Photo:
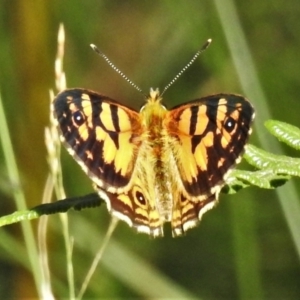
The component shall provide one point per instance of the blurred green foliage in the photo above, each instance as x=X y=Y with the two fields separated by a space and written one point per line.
x=242 y=249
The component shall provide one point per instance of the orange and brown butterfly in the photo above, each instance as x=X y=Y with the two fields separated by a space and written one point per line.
x=155 y=165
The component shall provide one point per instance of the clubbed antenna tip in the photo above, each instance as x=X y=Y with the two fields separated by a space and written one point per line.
x=96 y=49
x=203 y=48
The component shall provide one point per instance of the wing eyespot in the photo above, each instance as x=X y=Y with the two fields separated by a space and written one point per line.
x=140 y=197
x=229 y=124
x=78 y=118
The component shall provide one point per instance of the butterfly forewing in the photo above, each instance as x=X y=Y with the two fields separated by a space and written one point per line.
x=101 y=134
x=210 y=135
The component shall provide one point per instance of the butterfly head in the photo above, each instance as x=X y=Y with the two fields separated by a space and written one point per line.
x=154 y=96
x=153 y=100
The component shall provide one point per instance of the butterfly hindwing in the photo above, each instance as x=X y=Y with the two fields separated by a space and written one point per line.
x=187 y=214
x=134 y=207
x=101 y=134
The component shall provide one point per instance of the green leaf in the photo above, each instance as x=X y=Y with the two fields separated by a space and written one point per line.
x=266 y=179
x=286 y=133
x=278 y=164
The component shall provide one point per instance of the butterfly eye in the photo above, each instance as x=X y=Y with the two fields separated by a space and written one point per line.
x=78 y=118
x=229 y=124
x=140 y=197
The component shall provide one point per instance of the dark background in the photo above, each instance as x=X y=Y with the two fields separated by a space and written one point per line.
x=244 y=248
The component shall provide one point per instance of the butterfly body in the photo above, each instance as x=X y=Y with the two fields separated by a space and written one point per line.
x=156 y=165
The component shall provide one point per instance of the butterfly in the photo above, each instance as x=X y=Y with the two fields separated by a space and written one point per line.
x=155 y=165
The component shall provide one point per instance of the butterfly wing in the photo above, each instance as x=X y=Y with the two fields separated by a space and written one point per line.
x=209 y=136
x=102 y=135
x=136 y=208
x=187 y=213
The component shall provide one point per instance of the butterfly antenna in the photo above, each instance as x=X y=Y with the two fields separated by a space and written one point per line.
x=203 y=48
x=95 y=48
